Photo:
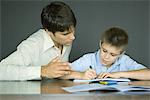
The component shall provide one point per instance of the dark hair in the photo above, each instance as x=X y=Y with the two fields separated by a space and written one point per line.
x=57 y=16
x=116 y=37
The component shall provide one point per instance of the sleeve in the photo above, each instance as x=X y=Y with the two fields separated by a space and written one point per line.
x=81 y=64
x=132 y=64
x=18 y=65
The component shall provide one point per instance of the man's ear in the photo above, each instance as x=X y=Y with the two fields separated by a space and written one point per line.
x=49 y=33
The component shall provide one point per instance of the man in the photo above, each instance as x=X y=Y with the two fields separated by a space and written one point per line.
x=46 y=52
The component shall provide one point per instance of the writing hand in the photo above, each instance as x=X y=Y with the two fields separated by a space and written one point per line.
x=90 y=74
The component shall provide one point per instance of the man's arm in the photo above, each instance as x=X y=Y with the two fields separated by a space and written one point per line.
x=13 y=72
x=13 y=68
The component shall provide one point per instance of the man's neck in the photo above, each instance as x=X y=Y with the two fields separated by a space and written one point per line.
x=60 y=47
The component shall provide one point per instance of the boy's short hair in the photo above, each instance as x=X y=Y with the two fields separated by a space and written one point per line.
x=57 y=16
x=115 y=36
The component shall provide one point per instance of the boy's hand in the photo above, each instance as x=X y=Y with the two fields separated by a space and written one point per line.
x=89 y=74
x=111 y=75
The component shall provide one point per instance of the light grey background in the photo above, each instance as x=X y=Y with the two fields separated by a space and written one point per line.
x=22 y=18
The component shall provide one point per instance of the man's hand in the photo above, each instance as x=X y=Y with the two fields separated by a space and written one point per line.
x=55 y=69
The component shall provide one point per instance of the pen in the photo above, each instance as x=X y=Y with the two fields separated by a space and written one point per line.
x=90 y=67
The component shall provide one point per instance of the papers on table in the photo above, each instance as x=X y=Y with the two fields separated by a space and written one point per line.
x=84 y=87
x=97 y=86
x=104 y=79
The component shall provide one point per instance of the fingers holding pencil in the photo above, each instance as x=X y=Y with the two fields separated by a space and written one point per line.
x=90 y=74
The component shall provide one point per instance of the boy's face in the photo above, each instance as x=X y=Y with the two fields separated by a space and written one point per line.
x=63 y=38
x=109 y=54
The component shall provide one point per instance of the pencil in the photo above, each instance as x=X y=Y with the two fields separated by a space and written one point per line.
x=108 y=83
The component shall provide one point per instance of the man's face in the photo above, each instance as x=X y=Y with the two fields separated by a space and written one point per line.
x=109 y=54
x=63 y=38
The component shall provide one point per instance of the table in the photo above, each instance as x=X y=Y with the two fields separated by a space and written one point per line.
x=51 y=90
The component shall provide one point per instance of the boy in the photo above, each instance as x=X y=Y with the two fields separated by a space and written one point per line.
x=109 y=58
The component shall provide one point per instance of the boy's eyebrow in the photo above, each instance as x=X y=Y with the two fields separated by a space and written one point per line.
x=110 y=52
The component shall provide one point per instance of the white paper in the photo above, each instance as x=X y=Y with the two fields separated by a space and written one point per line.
x=104 y=79
x=84 y=87
x=97 y=86
x=132 y=88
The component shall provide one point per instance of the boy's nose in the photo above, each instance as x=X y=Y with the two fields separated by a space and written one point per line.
x=107 y=55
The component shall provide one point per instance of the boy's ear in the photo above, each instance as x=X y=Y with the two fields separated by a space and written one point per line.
x=123 y=53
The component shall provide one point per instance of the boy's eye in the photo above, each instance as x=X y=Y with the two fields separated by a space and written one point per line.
x=104 y=50
x=113 y=55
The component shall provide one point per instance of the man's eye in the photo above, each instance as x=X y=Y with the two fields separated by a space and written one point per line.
x=66 y=34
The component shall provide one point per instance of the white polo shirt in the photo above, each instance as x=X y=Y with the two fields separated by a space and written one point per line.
x=25 y=63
